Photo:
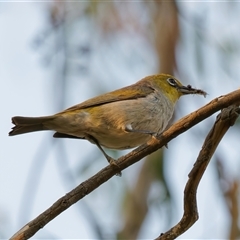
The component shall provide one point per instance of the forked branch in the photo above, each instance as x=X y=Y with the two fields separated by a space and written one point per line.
x=223 y=122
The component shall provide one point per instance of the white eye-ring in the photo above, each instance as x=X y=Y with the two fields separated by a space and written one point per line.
x=171 y=81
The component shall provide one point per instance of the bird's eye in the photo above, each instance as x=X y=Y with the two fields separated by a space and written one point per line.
x=171 y=81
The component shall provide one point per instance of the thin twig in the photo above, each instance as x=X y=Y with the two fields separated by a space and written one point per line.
x=223 y=122
x=105 y=174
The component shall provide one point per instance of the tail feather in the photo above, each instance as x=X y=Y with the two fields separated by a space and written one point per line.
x=27 y=124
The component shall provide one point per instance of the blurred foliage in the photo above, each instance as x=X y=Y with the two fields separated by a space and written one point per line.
x=230 y=189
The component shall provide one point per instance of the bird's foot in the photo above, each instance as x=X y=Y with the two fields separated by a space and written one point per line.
x=112 y=162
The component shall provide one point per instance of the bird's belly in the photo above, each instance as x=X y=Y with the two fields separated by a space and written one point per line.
x=121 y=140
x=128 y=124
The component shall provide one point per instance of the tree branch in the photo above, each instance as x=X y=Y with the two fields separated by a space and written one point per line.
x=223 y=122
x=125 y=161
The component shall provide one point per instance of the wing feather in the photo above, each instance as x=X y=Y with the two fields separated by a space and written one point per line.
x=130 y=92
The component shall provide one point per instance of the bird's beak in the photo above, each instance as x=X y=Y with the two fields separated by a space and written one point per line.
x=189 y=90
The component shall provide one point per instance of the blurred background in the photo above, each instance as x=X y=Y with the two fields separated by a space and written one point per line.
x=59 y=53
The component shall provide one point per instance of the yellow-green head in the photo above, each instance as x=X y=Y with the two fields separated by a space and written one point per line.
x=171 y=87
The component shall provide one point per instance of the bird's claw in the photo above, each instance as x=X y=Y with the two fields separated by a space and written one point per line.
x=112 y=162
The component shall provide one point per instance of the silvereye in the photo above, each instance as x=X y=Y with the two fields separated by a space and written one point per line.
x=121 y=119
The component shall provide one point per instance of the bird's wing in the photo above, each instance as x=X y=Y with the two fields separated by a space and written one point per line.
x=130 y=92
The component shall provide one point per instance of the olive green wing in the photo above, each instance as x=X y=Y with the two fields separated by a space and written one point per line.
x=131 y=92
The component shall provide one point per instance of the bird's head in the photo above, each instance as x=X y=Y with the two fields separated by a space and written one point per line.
x=172 y=87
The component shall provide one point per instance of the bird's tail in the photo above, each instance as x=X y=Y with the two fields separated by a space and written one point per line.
x=28 y=124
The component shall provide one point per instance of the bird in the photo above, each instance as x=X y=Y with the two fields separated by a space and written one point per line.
x=122 y=119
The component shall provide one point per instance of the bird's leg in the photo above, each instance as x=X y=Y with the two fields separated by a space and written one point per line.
x=110 y=160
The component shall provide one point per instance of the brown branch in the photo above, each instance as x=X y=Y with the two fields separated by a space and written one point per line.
x=105 y=174
x=223 y=122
